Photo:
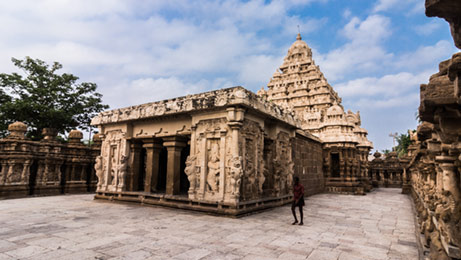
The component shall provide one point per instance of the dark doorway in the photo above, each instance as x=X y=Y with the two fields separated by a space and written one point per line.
x=89 y=177
x=183 y=180
x=163 y=161
x=335 y=165
x=33 y=177
x=62 y=183
x=142 y=171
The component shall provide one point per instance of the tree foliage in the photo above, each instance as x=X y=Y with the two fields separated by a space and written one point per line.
x=403 y=141
x=43 y=98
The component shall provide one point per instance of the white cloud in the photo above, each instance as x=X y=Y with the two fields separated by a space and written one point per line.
x=384 y=5
x=425 y=57
x=428 y=28
x=364 y=51
x=144 y=90
x=387 y=5
x=386 y=87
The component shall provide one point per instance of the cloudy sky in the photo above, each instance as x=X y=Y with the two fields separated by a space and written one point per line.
x=375 y=53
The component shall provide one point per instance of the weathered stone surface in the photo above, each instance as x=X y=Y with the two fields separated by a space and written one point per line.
x=450 y=10
x=433 y=161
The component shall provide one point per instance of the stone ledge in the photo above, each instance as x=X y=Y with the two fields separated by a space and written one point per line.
x=182 y=202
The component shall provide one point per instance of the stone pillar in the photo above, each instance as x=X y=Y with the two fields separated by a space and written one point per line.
x=25 y=172
x=449 y=178
x=174 y=146
x=153 y=148
x=135 y=160
x=4 y=172
x=439 y=179
x=222 y=159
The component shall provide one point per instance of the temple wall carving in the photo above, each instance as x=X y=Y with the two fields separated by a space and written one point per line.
x=433 y=163
x=45 y=167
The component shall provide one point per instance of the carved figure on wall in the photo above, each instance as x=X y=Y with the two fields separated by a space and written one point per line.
x=236 y=173
x=277 y=176
x=213 y=168
x=262 y=177
x=290 y=173
x=122 y=170
x=99 y=170
x=191 y=172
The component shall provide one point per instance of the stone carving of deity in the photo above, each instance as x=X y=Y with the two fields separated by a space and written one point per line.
x=213 y=169
x=262 y=178
x=122 y=170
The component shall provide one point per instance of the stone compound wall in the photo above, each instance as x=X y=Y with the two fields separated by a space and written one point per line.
x=432 y=173
x=45 y=167
x=308 y=163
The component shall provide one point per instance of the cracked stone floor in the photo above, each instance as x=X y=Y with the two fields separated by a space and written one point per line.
x=379 y=225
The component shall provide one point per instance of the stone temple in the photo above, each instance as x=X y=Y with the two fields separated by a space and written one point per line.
x=231 y=151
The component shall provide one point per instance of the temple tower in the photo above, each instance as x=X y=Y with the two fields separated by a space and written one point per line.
x=299 y=85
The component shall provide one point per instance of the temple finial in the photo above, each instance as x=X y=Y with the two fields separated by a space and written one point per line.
x=299 y=35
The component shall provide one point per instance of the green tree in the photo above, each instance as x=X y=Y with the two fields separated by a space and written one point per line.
x=43 y=98
x=403 y=141
x=385 y=151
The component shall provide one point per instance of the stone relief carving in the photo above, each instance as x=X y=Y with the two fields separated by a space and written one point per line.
x=98 y=167
x=235 y=175
x=213 y=167
x=122 y=170
x=191 y=172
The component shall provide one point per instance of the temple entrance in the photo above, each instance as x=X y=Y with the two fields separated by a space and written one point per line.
x=335 y=165
x=184 y=181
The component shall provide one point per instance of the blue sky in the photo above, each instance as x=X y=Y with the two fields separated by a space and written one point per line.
x=375 y=53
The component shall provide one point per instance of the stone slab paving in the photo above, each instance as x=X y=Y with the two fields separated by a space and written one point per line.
x=379 y=225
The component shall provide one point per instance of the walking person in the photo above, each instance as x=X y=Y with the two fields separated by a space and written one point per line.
x=298 y=200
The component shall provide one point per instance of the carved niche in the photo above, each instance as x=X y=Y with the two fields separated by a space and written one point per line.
x=283 y=165
x=252 y=146
x=114 y=154
x=212 y=149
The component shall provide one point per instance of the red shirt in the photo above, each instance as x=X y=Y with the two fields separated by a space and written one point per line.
x=298 y=191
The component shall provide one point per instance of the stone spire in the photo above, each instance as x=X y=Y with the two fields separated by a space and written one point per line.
x=299 y=84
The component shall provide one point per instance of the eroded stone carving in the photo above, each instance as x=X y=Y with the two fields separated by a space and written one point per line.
x=235 y=175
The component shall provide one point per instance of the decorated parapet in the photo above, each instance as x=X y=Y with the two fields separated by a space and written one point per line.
x=44 y=167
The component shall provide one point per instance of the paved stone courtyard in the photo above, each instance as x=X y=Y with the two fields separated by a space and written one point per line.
x=379 y=225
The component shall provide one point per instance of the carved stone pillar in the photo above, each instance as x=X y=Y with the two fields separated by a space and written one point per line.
x=25 y=172
x=450 y=182
x=439 y=179
x=153 y=148
x=135 y=166
x=3 y=172
x=174 y=146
